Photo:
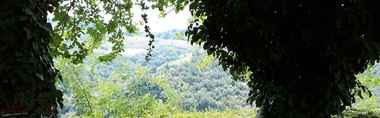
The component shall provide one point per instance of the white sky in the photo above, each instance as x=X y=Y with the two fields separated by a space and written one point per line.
x=171 y=21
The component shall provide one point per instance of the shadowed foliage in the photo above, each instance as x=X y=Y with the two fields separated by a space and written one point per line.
x=26 y=67
x=303 y=54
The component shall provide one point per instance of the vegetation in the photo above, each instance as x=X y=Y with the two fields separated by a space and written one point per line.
x=173 y=85
x=304 y=55
x=30 y=43
x=369 y=105
x=177 y=83
x=288 y=51
x=243 y=113
x=26 y=68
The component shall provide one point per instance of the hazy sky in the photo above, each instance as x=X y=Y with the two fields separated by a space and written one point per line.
x=171 y=21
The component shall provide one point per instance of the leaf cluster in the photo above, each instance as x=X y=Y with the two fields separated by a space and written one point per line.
x=303 y=55
x=27 y=82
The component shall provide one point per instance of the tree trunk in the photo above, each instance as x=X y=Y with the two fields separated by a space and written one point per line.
x=27 y=74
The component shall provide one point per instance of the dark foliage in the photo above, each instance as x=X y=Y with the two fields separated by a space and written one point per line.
x=27 y=75
x=304 y=54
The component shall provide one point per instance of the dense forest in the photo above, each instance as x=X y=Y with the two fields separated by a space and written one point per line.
x=225 y=58
x=179 y=78
x=180 y=81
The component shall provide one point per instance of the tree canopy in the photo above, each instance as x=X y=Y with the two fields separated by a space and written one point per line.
x=100 y=21
x=303 y=54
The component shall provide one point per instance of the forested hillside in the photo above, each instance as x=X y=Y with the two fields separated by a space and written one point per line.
x=178 y=78
x=179 y=81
